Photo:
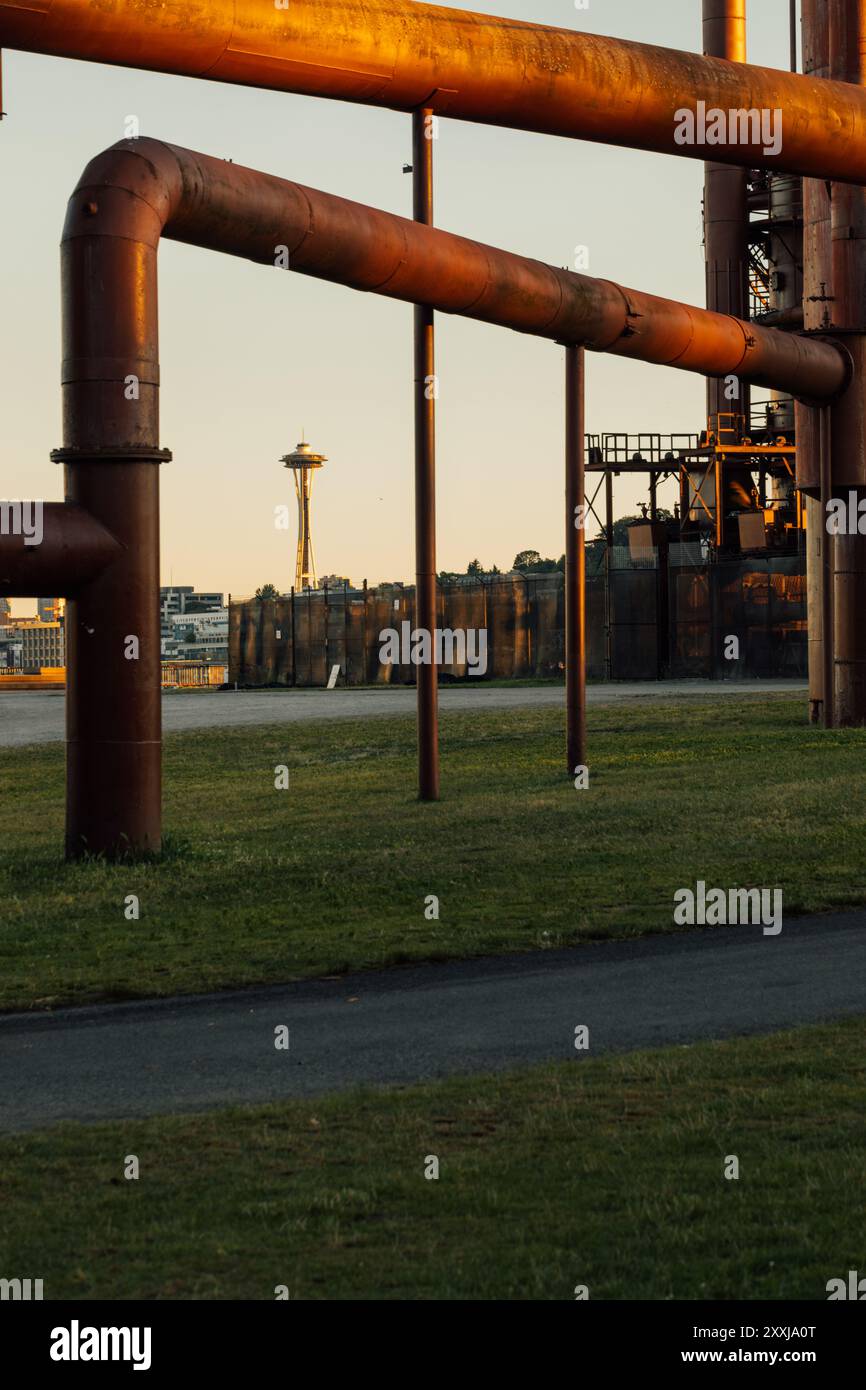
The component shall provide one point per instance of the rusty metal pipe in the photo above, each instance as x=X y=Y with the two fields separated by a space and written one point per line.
x=818 y=303
x=575 y=559
x=724 y=29
x=113 y=694
x=475 y=67
x=75 y=548
x=425 y=473
x=726 y=213
x=126 y=200
x=225 y=207
x=827 y=547
x=110 y=376
x=847 y=22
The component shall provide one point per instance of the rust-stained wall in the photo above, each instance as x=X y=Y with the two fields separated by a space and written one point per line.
x=287 y=641
x=761 y=601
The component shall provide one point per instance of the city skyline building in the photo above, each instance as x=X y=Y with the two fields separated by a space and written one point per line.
x=50 y=610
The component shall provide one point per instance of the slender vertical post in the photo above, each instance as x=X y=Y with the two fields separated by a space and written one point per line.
x=819 y=305
x=490 y=663
x=608 y=509
x=846 y=428
x=294 y=647
x=366 y=675
x=425 y=472
x=828 y=646
x=608 y=556
x=346 y=628
x=575 y=558
x=726 y=216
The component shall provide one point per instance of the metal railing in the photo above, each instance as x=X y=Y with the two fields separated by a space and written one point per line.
x=189 y=674
x=175 y=674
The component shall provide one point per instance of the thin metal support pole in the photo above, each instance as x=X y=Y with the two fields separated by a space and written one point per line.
x=828 y=644
x=608 y=557
x=366 y=664
x=423 y=131
x=575 y=558
x=294 y=642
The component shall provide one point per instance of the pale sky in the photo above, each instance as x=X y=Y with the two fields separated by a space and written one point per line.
x=250 y=356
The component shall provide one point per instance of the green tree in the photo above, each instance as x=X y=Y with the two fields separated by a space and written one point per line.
x=530 y=561
x=526 y=560
x=267 y=591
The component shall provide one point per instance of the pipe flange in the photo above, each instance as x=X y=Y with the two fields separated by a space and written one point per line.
x=118 y=453
x=833 y=337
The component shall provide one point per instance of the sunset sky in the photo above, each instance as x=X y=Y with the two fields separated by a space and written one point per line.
x=250 y=357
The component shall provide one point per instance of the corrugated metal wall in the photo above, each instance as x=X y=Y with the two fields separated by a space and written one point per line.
x=761 y=602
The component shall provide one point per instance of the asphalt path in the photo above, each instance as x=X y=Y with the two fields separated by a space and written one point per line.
x=36 y=716
x=418 y=1023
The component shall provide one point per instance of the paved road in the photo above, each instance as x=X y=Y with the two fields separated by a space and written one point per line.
x=37 y=716
x=423 y=1022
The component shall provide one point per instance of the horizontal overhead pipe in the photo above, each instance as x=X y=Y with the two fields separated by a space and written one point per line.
x=72 y=549
x=474 y=67
x=138 y=190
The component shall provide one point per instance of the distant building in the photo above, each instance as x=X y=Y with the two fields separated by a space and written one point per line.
x=10 y=646
x=5 y=610
x=50 y=610
x=178 y=601
x=334 y=581
x=199 y=637
x=42 y=644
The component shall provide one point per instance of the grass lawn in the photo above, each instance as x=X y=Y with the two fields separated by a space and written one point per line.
x=263 y=885
x=607 y=1173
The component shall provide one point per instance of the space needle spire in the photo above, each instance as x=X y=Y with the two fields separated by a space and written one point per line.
x=302 y=463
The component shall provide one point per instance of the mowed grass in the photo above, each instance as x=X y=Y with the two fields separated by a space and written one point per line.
x=608 y=1173
x=261 y=885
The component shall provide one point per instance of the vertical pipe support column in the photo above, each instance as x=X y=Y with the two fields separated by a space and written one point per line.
x=113 y=695
x=827 y=557
x=818 y=304
x=608 y=557
x=575 y=558
x=726 y=214
x=111 y=457
x=847 y=442
x=425 y=472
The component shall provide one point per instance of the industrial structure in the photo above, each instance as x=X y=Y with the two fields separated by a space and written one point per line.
x=303 y=463
x=101 y=547
x=653 y=616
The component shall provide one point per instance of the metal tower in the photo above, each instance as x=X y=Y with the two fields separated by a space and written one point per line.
x=302 y=462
